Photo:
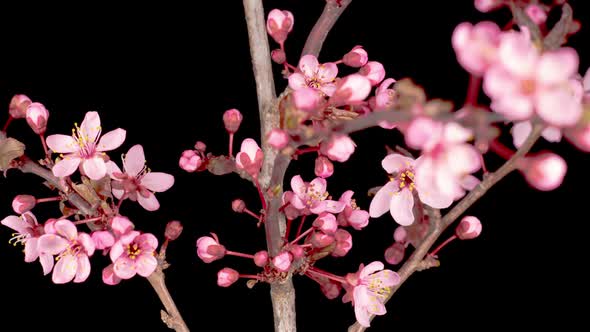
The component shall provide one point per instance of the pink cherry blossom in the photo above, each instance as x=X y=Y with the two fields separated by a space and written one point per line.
x=521 y=130
x=338 y=147
x=289 y=210
x=524 y=82
x=326 y=222
x=18 y=106
x=445 y=162
x=343 y=241
x=545 y=171
x=469 y=228
x=321 y=239
x=250 y=157
x=73 y=249
x=134 y=253
x=352 y=89
x=282 y=261
x=580 y=137
x=312 y=197
x=36 y=117
x=209 y=249
x=190 y=161
x=306 y=99
x=374 y=71
x=370 y=287
x=102 y=239
x=323 y=167
x=357 y=57
x=384 y=96
x=314 y=75
x=28 y=232
x=83 y=148
x=279 y=24
x=226 y=277
x=109 y=277
x=278 y=138
x=352 y=215
x=476 y=46
x=137 y=182
x=23 y=203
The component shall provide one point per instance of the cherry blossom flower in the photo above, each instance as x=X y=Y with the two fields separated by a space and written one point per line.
x=84 y=148
x=370 y=287
x=36 y=117
x=314 y=75
x=352 y=215
x=323 y=167
x=134 y=253
x=343 y=241
x=476 y=46
x=28 y=232
x=374 y=71
x=209 y=249
x=312 y=197
x=73 y=249
x=137 y=182
x=226 y=277
x=357 y=57
x=338 y=147
x=521 y=130
x=250 y=157
x=279 y=24
x=469 y=228
x=352 y=89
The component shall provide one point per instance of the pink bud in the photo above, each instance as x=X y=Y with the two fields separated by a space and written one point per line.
x=351 y=90
x=321 y=240
x=343 y=243
x=374 y=71
x=109 y=277
x=238 y=205
x=357 y=57
x=37 y=116
x=400 y=234
x=18 y=106
x=395 y=254
x=121 y=225
x=279 y=24
x=23 y=203
x=278 y=56
x=545 y=171
x=485 y=6
x=173 y=230
x=282 y=261
x=536 y=13
x=278 y=138
x=306 y=99
x=49 y=226
x=232 y=119
x=469 y=228
x=330 y=289
x=327 y=223
x=339 y=147
x=297 y=251
x=323 y=167
x=209 y=250
x=103 y=239
x=580 y=137
x=261 y=258
x=200 y=146
x=190 y=161
x=226 y=277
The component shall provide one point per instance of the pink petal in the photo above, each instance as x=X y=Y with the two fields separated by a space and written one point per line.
x=463 y=159
x=65 y=269
x=147 y=242
x=306 y=99
x=552 y=134
x=95 y=168
x=401 y=207
x=124 y=268
x=308 y=64
x=87 y=243
x=388 y=278
x=250 y=147
x=46 y=263
x=425 y=184
x=111 y=140
x=469 y=182
x=559 y=108
x=149 y=203
x=298 y=185
x=109 y=277
x=116 y=251
x=121 y=225
x=297 y=81
x=134 y=160
x=91 y=126
x=103 y=239
x=16 y=223
x=382 y=200
x=455 y=133
x=557 y=66
x=146 y=265
x=112 y=168
x=31 y=250
x=351 y=89
x=514 y=107
x=83 y=270
x=361 y=300
x=118 y=193
x=157 y=181
x=66 y=229
x=62 y=143
x=422 y=132
x=346 y=197
x=66 y=166
x=518 y=54
x=394 y=163
x=331 y=206
x=370 y=269
x=328 y=89
x=297 y=203
x=319 y=185
x=359 y=219
x=327 y=72
x=520 y=132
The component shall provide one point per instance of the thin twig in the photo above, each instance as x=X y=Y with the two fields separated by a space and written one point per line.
x=324 y=24
x=171 y=316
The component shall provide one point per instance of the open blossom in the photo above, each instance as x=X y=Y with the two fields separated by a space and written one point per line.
x=250 y=157
x=338 y=147
x=84 y=148
x=28 y=232
x=370 y=286
x=524 y=82
x=476 y=46
x=312 y=197
x=136 y=182
x=352 y=215
x=73 y=249
x=446 y=161
x=397 y=196
x=314 y=75
x=134 y=253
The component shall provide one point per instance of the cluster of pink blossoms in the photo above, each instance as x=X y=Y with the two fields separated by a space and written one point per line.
x=63 y=249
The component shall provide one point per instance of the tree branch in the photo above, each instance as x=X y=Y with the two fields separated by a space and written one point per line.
x=324 y=24
x=437 y=226
x=171 y=316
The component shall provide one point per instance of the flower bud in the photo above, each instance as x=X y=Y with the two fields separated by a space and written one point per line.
x=190 y=161
x=536 y=13
x=343 y=243
x=395 y=253
x=282 y=261
x=330 y=289
x=278 y=138
x=173 y=230
x=232 y=119
x=279 y=24
x=545 y=171
x=357 y=57
x=37 y=116
x=226 y=277
x=18 y=106
x=23 y=203
x=200 y=146
x=374 y=71
x=238 y=205
x=323 y=167
x=469 y=228
x=209 y=249
x=339 y=147
x=261 y=258
x=278 y=56
x=400 y=234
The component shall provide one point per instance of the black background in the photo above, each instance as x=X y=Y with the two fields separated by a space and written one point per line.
x=166 y=72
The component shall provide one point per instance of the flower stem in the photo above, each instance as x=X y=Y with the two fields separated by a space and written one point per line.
x=302 y=235
x=250 y=276
x=44 y=145
x=473 y=90
x=288 y=229
x=326 y=274
x=260 y=193
x=301 y=151
x=257 y=217
x=231 y=145
x=8 y=121
x=239 y=254
x=442 y=245
x=300 y=226
x=48 y=199
x=85 y=221
x=501 y=149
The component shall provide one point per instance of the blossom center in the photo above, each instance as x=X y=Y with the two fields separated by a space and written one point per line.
x=405 y=179
x=133 y=250
x=528 y=87
x=86 y=146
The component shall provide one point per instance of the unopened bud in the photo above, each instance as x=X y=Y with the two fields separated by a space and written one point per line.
x=238 y=205
x=469 y=228
x=23 y=203
x=278 y=56
x=200 y=146
x=282 y=261
x=324 y=168
x=226 y=277
x=357 y=57
x=18 y=106
x=37 y=116
x=173 y=230
x=190 y=161
x=278 y=138
x=279 y=24
x=261 y=258
x=395 y=253
x=232 y=119
x=400 y=234
x=545 y=171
